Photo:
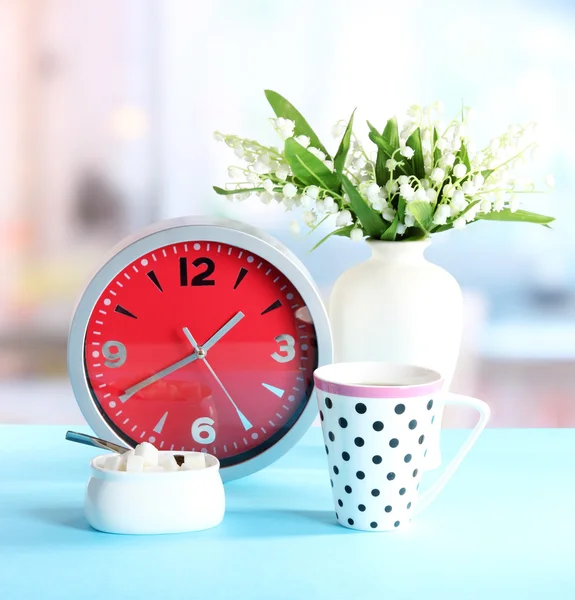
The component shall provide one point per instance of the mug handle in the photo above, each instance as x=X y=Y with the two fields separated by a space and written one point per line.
x=427 y=497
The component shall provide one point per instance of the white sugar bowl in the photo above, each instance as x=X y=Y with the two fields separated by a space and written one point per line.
x=155 y=502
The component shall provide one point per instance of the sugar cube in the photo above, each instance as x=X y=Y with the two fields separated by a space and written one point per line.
x=113 y=462
x=149 y=453
x=156 y=469
x=195 y=460
x=168 y=462
x=135 y=463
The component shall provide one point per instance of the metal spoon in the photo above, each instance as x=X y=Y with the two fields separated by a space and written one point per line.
x=88 y=440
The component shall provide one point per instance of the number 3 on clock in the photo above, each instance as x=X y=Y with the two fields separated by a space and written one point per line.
x=286 y=350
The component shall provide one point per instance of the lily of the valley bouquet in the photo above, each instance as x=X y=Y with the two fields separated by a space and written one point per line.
x=418 y=179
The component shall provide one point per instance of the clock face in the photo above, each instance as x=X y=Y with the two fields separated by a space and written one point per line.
x=201 y=346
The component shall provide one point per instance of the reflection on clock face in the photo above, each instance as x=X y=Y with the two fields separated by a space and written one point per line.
x=201 y=346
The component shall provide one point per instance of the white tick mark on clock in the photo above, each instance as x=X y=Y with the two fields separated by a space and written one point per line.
x=296 y=389
x=250 y=259
x=268 y=271
x=154 y=257
x=305 y=357
x=161 y=444
x=202 y=450
x=99 y=375
x=99 y=322
x=135 y=269
x=112 y=404
x=303 y=337
x=219 y=247
x=119 y=284
x=276 y=279
x=107 y=301
x=182 y=448
x=225 y=448
x=291 y=398
x=113 y=293
x=285 y=407
x=235 y=446
x=127 y=276
x=255 y=436
x=301 y=326
x=283 y=288
x=197 y=246
x=299 y=378
x=245 y=441
x=134 y=428
x=271 y=423
x=95 y=354
x=230 y=251
x=106 y=395
x=126 y=421
x=279 y=416
x=274 y=390
x=240 y=254
x=302 y=368
x=175 y=249
x=172 y=447
x=186 y=247
x=102 y=386
x=260 y=265
x=118 y=413
x=208 y=247
x=144 y=262
x=97 y=332
x=304 y=347
x=160 y=424
x=263 y=430
x=95 y=343
x=164 y=253
x=295 y=305
x=289 y=296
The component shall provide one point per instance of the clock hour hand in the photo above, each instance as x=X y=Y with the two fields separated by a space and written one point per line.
x=153 y=378
x=221 y=332
x=245 y=422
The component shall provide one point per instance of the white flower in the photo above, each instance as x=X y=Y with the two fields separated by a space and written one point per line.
x=403 y=179
x=359 y=163
x=265 y=197
x=373 y=192
x=320 y=206
x=401 y=228
x=514 y=203
x=447 y=159
x=338 y=129
x=427 y=163
x=356 y=234
x=302 y=140
x=328 y=202
x=421 y=194
x=316 y=152
x=239 y=152
x=478 y=181
x=468 y=188
x=392 y=187
x=307 y=201
x=235 y=173
x=441 y=214
x=414 y=111
x=312 y=191
x=431 y=195
x=499 y=204
x=459 y=170
x=309 y=217
x=406 y=191
x=333 y=209
x=425 y=183
x=294 y=227
x=219 y=137
x=409 y=219
x=449 y=190
x=391 y=164
x=407 y=151
x=485 y=205
x=456 y=144
x=253 y=178
x=437 y=175
x=471 y=213
x=441 y=144
x=550 y=180
x=268 y=185
x=243 y=196
x=343 y=218
x=289 y=190
x=282 y=172
x=459 y=202
x=284 y=127
x=328 y=164
x=425 y=136
x=289 y=203
x=459 y=223
x=388 y=213
x=278 y=198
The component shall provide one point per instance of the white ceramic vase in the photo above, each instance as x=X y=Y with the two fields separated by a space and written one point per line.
x=399 y=307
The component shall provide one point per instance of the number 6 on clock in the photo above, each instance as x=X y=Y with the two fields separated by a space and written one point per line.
x=203 y=425
x=287 y=350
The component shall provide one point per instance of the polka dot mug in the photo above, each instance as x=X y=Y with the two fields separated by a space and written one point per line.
x=376 y=419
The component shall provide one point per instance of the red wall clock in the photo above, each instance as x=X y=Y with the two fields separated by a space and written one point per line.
x=200 y=335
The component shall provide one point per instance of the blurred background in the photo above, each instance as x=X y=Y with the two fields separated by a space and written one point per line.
x=107 y=109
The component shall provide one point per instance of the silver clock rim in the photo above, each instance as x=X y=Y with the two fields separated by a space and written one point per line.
x=185 y=229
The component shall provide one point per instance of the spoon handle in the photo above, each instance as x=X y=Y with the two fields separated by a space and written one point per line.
x=88 y=440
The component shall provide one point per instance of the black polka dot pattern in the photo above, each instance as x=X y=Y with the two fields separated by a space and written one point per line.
x=348 y=489
x=360 y=475
x=360 y=408
x=432 y=419
x=373 y=525
x=413 y=424
x=378 y=426
x=408 y=505
x=402 y=491
x=342 y=423
x=350 y=521
x=430 y=405
x=415 y=472
x=321 y=415
x=361 y=508
x=331 y=481
x=376 y=459
x=359 y=442
x=345 y=456
x=388 y=509
x=340 y=502
x=391 y=476
x=331 y=436
x=328 y=402
x=326 y=450
x=421 y=439
x=394 y=442
x=396 y=524
x=375 y=493
x=407 y=458
x=399 y=409
x=335 y=470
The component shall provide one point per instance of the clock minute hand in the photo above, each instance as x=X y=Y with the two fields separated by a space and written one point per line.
x=156 y=376
x=221 y=332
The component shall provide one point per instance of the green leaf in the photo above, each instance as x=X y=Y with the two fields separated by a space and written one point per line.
x=436 y=151
x=390 y=233
x=416 y=161
x=223 y=192
x=401 y=209
x=343 y=231
x=339 y=160
x=520 y=216
x=423 y=213
x=285 y=109
x=309 y=169
x=463 y=156
x=370 y=220
x=486 y=173
x=387 y=143
x=391 y=134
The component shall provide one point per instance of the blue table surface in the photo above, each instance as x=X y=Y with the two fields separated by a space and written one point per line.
x=504 y=527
